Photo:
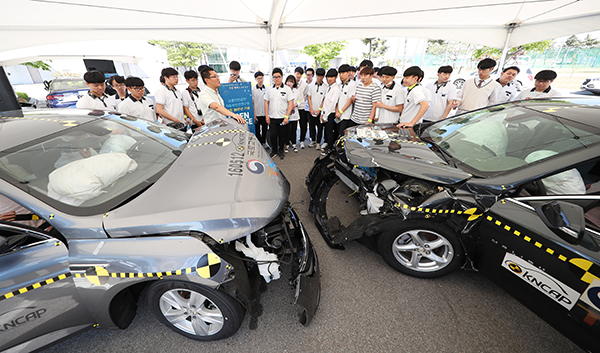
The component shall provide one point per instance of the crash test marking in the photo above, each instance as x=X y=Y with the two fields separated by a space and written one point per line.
x=208 y=266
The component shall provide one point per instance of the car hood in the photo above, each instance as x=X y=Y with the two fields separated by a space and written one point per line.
x=223 y=184
x=384 y=147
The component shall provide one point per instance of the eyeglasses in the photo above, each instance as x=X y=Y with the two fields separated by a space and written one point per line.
x=213 y=76
x=136 y=88
x=277 y=76
x=119 y=85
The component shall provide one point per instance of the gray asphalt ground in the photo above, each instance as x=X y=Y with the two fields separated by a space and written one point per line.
x=366 y=306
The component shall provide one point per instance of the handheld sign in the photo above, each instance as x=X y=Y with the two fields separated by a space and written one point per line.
x=237 y=97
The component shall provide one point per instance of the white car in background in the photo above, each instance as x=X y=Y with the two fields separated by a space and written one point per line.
x=523 y=79
x=592 y=84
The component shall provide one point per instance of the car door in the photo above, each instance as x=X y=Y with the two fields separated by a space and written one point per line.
x=38 y=300
x=549 y=271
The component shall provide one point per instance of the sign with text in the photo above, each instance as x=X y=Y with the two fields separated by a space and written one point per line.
x=237 y=97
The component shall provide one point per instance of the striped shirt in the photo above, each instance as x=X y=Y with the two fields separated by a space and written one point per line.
x=365 y=97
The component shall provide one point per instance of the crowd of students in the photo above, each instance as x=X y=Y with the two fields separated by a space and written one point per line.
x=296 y=112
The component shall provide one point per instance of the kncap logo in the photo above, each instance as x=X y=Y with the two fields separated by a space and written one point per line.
x=515 y=268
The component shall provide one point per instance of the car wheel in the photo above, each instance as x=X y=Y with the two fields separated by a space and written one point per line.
x=197 y=312
x=459 y=83
x=421 y=249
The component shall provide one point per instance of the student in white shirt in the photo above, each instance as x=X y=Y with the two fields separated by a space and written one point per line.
x=542 y=88
x=169 y=101
x=234 y=69
x=347 y=97
x=480 y=91
x=443 y=94
x=136 y=104
x=415 y=104
x=96 y=98
x=290 y=81
x=328 y=108
x=392 y=99
x=211 y=102
x=508 y=90
x=191 y=96
x=258 y=100
x=302 y=104
x=279 y=103
x=314 y=96
x=118 y=90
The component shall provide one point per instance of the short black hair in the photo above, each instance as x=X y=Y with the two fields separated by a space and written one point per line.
x=311 y=70
x=190 y=74
x=94 y=76
x=353 y=68
x=414 y=71
x=445 y=69
x=168 y=71
x=512 y=68
x=486 y=63
x=133 y=81
x=320 y=71
x=546 y=75
x=344 y=68
x=388 y=71
x=202 y=67
x=205 y=73
x=234 y=65
x=300 y=70
x=117 y=78
x=331 y=73
x=293 y=79
x=258 y=74
x=367 y=63
x=277 y=71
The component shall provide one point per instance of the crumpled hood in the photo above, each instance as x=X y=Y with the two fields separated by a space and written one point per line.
x=384 y=147
x=223 y=184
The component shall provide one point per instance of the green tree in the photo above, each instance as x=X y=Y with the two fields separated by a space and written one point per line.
x=39 y=65
x=377 y=47
x=590 y=42
x=573 y=42
x=184 y=54
x=323 y=53
x=513 y=53
x=436 y=46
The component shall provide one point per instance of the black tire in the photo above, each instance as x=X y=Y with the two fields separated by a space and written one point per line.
x=437 y=242
x=204 y=314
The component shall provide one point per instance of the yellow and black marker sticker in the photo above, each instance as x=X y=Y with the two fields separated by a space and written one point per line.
x=31 y=118
x=208 y=266
x=581 y=267
x=471 y=212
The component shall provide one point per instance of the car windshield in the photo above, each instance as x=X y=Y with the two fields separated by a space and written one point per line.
x=490 y=141
x=67 y=85
x=94 y=166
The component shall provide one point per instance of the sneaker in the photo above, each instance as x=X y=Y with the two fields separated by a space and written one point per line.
x=324 y=152
x=301 y=145
x=324 y=145
x=281 y=155
x=295 y=148
x=272 y=154
x=312 y=144
x=318 y=146
x=286 y=149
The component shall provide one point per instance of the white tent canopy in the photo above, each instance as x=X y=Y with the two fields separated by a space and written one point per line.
x=271 y=25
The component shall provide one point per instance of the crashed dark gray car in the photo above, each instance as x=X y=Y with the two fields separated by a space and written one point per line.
x=200 y=222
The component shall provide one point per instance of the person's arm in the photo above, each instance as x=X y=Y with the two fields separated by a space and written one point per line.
x=449 y=107
x=375 y=97
x=424 y=105
x=160 y=110
x=289 y=111
x=310 y=107
x=8 y=217
x=221 y=109
x=267 y=118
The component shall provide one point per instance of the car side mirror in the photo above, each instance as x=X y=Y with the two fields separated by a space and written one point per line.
x=565 y=219
x=47 y=85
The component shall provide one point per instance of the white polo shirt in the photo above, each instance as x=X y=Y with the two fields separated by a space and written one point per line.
x=331 y=99
x=294 y=115
x=306 y=107
x=172 y=100
x=391 y=95
x=507 y=93
x=190 y=100
x=317 y=94
x=440 y=95
x=258 y=100
x=143 y=109
x=414 y=96
x=91 y=101
x=278 y=98
x=208 y=96
x=474 y=96
x=347 y=90
x=532 y=93
x=301 y=101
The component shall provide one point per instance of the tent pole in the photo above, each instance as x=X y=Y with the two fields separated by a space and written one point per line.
x=509 y=30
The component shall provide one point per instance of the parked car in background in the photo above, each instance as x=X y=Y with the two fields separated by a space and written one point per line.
x=592 y=84
x=523 y=80
x=64 y=92
x=512 y=190
x=202 y=223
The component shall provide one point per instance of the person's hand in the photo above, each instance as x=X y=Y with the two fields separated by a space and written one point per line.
x=353 y=99
x=232 y=78
x=405 y=125
x=455 y=104
x=8 y=217
x=313 y=113
x=338 y=114
x=85 y=152
x=202 y=122
x=369 y=122
x=378 y=104
x=285 y=121
x=239 y=119
x=268 y=120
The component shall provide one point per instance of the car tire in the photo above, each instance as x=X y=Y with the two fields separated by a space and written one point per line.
x=459 y=83
x=195 y=311
x=421 y=249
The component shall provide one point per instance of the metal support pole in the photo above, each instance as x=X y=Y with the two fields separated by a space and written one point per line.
x=509 y=30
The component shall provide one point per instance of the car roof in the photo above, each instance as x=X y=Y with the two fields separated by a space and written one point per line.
x=16 y=131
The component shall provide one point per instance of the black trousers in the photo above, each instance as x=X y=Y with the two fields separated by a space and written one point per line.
x=331 y=130
x=293 y=127
x=303 y=123
x=278 y=134
x=343 y=125
x=315 y=128
x=261 y=129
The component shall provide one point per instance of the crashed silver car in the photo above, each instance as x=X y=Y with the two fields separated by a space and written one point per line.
x=201 y=223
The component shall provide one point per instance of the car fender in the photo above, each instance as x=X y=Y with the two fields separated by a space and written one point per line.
x=101 y=269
